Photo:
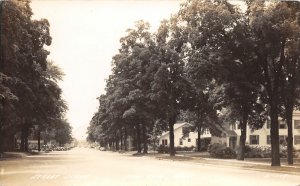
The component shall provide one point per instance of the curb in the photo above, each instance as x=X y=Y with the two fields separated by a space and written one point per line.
x=9 y=155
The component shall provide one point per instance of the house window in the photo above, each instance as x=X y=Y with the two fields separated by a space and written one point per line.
x=297 y=139
x=233 y=127
x=206 y=131
x=180 y=142
x=268 y=139
x=282 y=124
x=185 y=131
x=296 y=124
x=282 y=140
x=164 y=142
x=268 y=123
x=189 y=140
x=254 y=139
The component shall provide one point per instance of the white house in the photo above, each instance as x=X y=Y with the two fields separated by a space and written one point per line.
x=183 y=138
x=231 y=136
x=262 y=136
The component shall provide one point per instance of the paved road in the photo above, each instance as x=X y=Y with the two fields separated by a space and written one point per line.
x=89 y=167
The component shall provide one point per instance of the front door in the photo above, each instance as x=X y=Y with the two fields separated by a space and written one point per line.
x=232 y=142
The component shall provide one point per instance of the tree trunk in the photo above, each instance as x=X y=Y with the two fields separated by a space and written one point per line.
x=274 y=131
x=242 y=143
x=125 y=140
x=117 y=144
x=26 y=139
x=138 y=138
x=8 y=142
x=171 y=131
x=110 y=144
x=199 y=139
x=145 y=143
x=121 y=140
x=289 y=120
x=1 y=141
x=289 y=108
x=39 y=141
x=22 y=145
x=2 y=119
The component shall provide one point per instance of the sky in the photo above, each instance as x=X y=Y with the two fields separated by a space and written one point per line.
x=85 y=37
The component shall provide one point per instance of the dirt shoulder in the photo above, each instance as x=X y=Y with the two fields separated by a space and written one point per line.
x=9 y=155
x=257 y=164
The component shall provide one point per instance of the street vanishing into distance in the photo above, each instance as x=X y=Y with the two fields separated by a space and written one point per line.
x=84 y=166
x=149 y=93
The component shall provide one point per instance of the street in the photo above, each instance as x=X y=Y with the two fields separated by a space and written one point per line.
x=83 y=166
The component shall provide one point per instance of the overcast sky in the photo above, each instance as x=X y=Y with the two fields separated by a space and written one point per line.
x=85 y=36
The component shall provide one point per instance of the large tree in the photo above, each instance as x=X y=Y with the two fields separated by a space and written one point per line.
x=217 y=51
x=291 y=68
x=29 y=96
x=171 y=92
x=273 y=30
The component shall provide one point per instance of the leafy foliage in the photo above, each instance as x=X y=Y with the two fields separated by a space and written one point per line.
x=210 y=64
x=30 y=98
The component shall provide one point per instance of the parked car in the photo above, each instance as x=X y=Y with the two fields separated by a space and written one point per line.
x=60 y=149
x=102 y=148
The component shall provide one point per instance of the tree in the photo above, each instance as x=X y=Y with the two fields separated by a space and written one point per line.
x=171 y=92
x=291 y=66
x=63 y=132
x=272 y=28
x=138 y=46
x=29 y=92
x=217 y=51
x=202 y=116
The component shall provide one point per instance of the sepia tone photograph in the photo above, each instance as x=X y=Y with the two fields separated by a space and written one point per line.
x=149 y=92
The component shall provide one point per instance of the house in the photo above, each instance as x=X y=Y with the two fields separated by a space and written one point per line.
x=231 y=135
x=184 y=137
x=262 y=137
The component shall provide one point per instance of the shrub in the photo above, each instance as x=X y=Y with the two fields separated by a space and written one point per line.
x=166 y=149
x=263 y=151
x=221 y=151
x=179 y=148
x=257 y=152
x=163 y=149
x=213 y=147
x=284 y=152
x=297 y=153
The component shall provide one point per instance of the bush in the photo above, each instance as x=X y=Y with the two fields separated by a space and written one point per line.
x=179 y=148
x=163 y=149
x=257 y=151
x=221 y=151
x=166 y=149
x=213 y=147
x=284 y=152
x=265 y=152
x=297 y=153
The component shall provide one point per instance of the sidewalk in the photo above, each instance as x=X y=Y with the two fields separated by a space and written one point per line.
x=257 y=164
x=8 y=155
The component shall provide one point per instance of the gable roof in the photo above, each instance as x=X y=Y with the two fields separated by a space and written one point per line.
x=176 y=126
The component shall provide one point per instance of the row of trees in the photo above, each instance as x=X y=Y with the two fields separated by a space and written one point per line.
x=30 y=98
x=210 y=63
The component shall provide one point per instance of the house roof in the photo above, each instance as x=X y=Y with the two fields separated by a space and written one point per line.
x=230 y=133
x=176 y=126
